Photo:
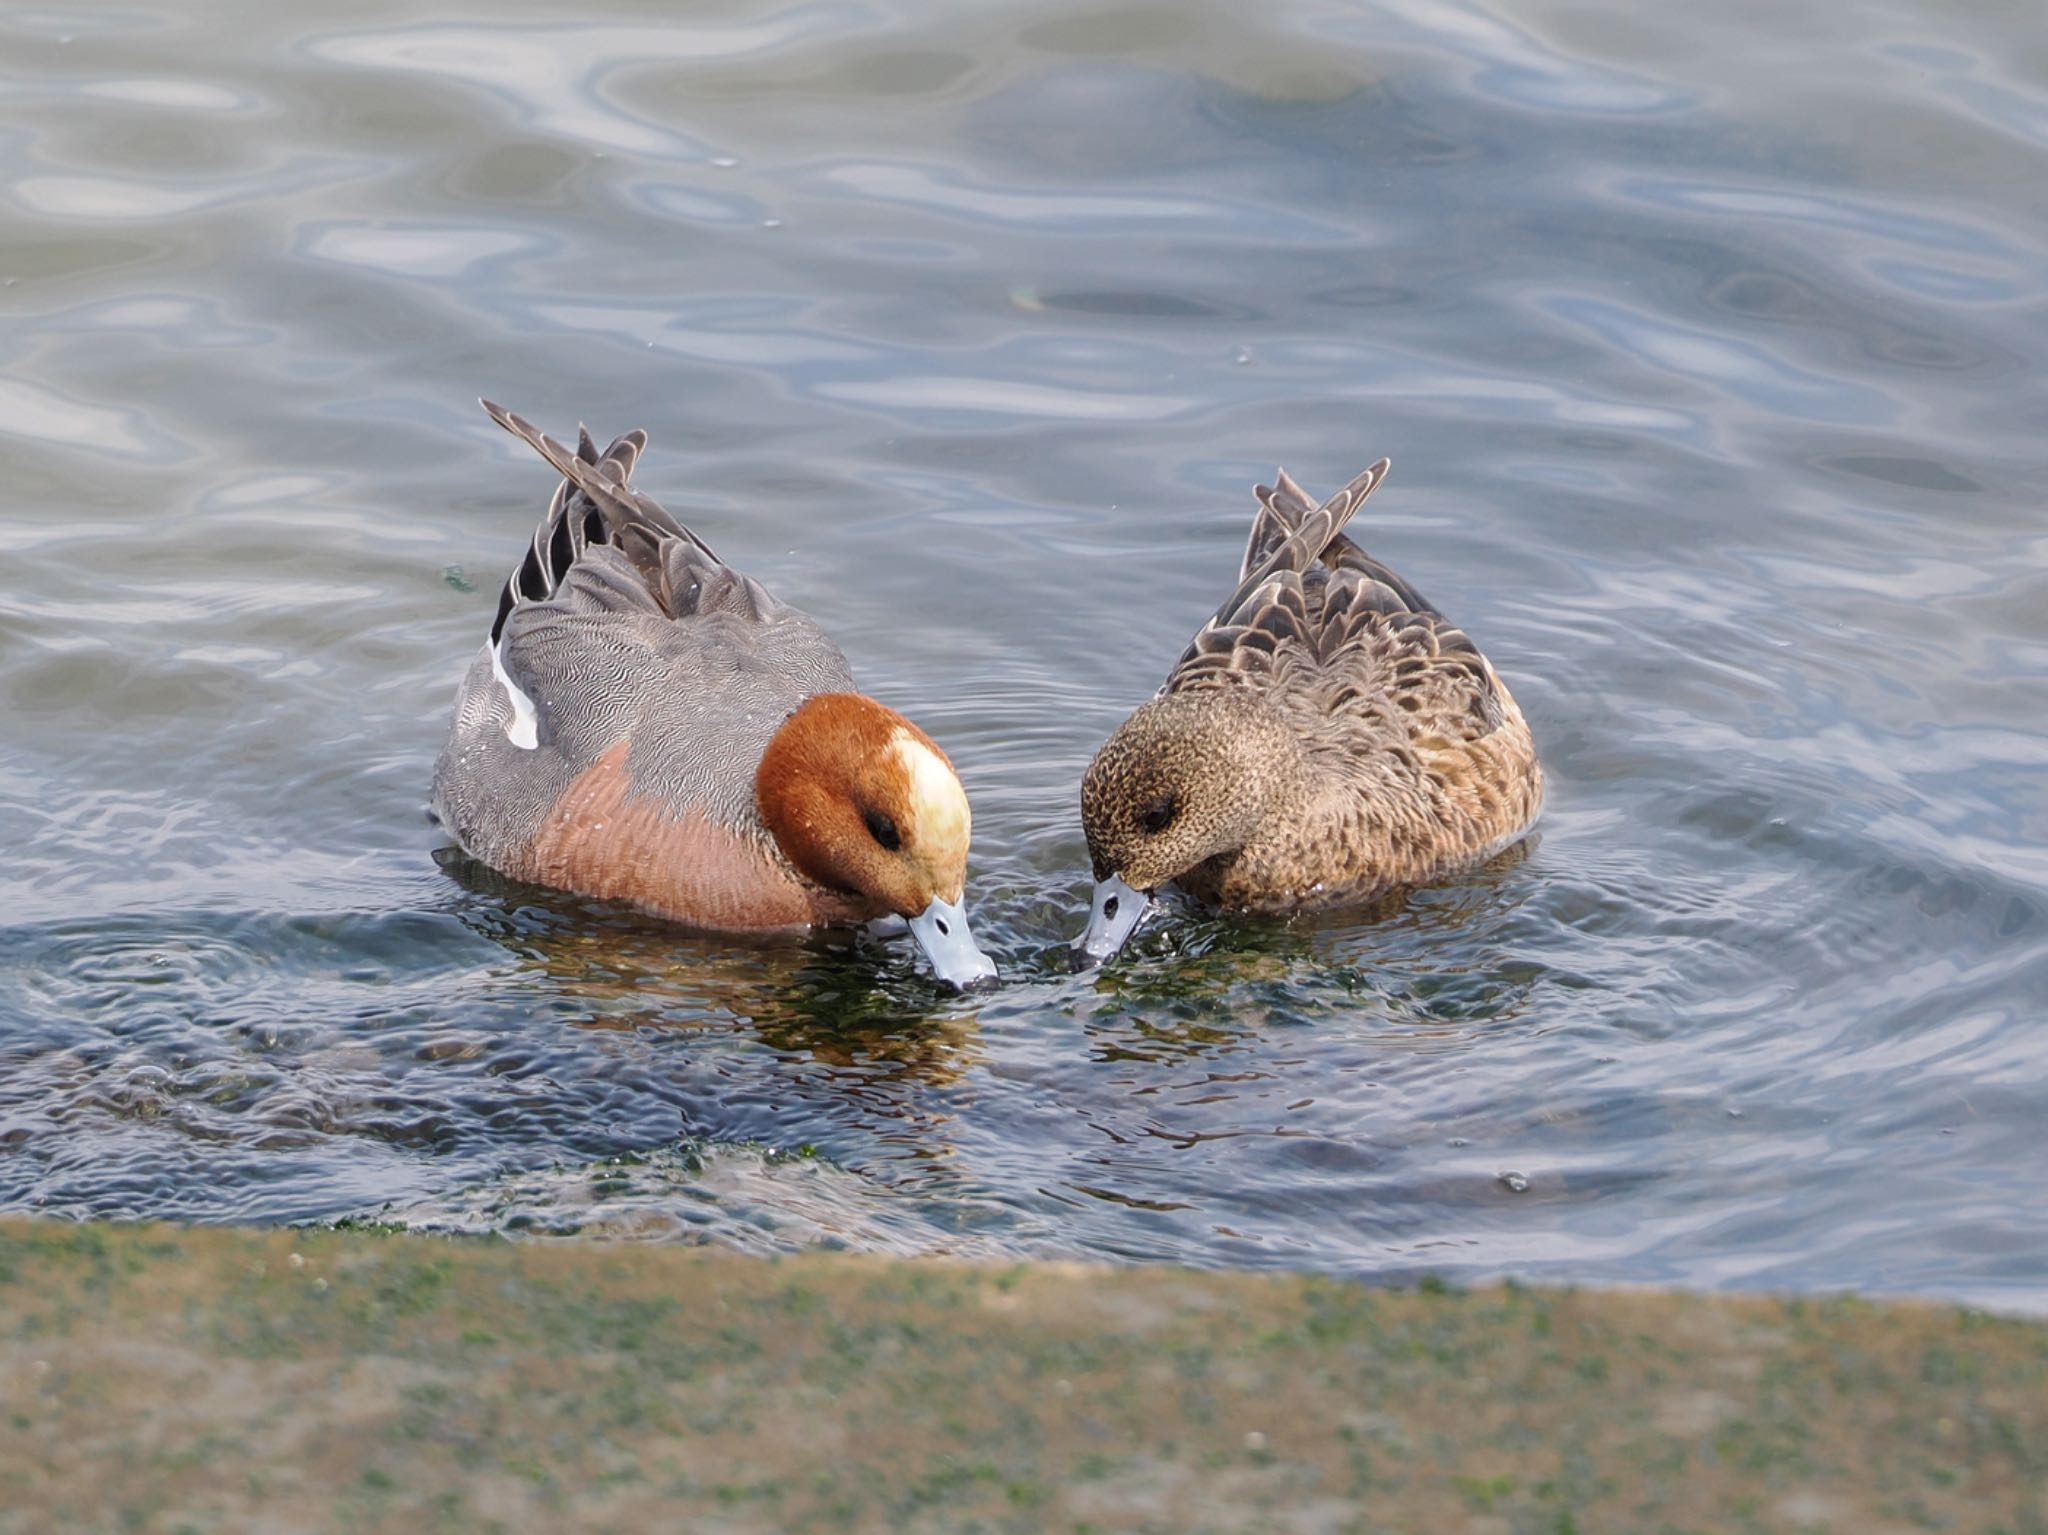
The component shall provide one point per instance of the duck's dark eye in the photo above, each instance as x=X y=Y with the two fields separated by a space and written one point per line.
x=1159 y=815
x=883 y=830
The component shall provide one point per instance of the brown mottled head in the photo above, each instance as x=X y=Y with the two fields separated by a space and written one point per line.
x=1185 y=779
x=865 y=803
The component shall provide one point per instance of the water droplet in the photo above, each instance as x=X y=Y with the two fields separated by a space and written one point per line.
x=1242 y=356
x=1515 y=1183
x=771 y=223
x=725 y=162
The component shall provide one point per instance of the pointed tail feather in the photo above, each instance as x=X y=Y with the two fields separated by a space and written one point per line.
x=1279 y=514
x=595 y=504
x=603 y=480
x=1307 y=534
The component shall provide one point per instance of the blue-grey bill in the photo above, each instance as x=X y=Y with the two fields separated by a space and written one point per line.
x=1112 y=917
x=941 y=931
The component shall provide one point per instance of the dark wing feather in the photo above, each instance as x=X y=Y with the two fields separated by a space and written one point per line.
x=569 y=525
x=597 y=504
x=573 y=521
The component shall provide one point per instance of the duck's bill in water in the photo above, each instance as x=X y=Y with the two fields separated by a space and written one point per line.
x=941 y=931
x=1112 y=917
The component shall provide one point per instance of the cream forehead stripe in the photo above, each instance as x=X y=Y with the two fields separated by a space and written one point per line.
x=936 y=798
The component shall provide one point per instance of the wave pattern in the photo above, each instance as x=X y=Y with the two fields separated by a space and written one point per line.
x=1706 y=360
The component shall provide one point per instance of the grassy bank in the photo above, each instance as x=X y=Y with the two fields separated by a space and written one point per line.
x=164 y=1379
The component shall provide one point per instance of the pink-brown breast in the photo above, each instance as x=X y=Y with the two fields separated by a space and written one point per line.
x=602 y=839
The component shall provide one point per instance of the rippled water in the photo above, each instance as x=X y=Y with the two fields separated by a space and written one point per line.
x=1707 y=345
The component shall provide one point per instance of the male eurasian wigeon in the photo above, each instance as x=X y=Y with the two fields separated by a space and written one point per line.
x=1327 y=737
x=647 y=724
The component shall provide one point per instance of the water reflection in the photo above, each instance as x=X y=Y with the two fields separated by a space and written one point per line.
x=833 y=997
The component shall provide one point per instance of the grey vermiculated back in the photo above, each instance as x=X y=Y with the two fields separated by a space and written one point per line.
x=621 y=624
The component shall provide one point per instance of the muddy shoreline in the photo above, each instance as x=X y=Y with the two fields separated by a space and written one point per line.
x=175 y=1379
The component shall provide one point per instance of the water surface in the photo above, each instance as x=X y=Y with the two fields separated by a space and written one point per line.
x=1706 y=345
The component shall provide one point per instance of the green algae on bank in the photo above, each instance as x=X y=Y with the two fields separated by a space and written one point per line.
x=158 y=1378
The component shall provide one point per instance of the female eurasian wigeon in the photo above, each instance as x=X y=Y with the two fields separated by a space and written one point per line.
x=647 y=724
x=1328 y=736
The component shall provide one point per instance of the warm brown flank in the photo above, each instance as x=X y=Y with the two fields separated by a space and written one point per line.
x=602 y=839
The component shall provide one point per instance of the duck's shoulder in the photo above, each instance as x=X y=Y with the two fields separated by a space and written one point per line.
x=607 y=632
x=1387 y=652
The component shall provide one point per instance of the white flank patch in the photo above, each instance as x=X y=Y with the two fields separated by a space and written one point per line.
x=524 y=731
x=936 y=798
